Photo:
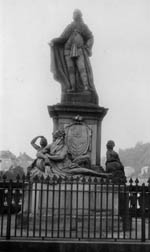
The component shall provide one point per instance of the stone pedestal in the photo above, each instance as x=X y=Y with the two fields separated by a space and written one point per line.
x=73 y=197
x=75 y=204
x=63 y=114
x=85 y=97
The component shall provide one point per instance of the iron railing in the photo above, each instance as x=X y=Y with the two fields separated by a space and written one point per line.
x=81 y=208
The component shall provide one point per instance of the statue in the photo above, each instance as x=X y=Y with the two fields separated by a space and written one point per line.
x=54 y=159
x=40 y=161
x=43 y=143
x=70 y=56
x=113 y=163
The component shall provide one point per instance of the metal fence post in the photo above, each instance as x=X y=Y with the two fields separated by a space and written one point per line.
x=148 y=208
x=124 y=208
x=143 y=214
x=9 y=210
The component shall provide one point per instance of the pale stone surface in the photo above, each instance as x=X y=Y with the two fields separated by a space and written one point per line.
x=105 y=200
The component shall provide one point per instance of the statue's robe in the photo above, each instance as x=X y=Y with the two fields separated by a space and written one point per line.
x=58 y=51
x=113 y=164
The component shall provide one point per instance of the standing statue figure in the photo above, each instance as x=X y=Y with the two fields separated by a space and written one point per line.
x=113 y=163
x=70 y=56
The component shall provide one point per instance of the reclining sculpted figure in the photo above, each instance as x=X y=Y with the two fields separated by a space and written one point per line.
x=53 y=159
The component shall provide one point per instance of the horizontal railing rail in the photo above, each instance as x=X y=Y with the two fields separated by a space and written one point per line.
x=74 y=208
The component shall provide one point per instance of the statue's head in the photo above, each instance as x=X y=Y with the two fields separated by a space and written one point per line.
x=77 y=14
x=59 y=134
x=43 y=142
x=110 y=144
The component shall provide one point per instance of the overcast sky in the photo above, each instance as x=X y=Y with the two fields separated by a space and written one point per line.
x=120 y=62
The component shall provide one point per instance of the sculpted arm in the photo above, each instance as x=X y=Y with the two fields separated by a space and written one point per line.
x=33 y=143
x=44 y=153
x=63 y=37
x=60 y=156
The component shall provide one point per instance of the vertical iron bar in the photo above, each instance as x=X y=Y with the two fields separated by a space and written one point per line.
x=8 y=231
x=71 y=199
x=2 y=208
x=148 y=208
x=77 y=188
x=136 y=193
x=22 y=212
x=112 y=227
x=131 y=195
x=3 y=200
x=130 y=230
x=83 y=196
x=16 y=202
x=89 y=204
x=15 y=227
x=59 y=202
x=125 y=212
x=143 y=213
x=107 y=209
x=118 y=211
x=101 y=208
x=95 y=206
x=29 y=200
x=53 y=206
x=65 y=191
x=35 y=205
x=41 y=205
x=47 y=201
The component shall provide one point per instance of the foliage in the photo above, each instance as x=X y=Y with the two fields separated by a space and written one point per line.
x=13 y=172
x=136 y=157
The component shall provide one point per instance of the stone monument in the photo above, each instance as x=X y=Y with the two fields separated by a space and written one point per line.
x=78 y=112
x=75 y=150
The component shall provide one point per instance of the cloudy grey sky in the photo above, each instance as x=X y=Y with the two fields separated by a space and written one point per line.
x=120 y=61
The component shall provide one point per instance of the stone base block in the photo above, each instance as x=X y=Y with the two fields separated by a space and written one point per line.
x=64 y=114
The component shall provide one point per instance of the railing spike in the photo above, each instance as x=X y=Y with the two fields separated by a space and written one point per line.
x=89 y=179
x=78 y=178
x=54 y=178
x=71 y=178
x=18 y=177
x=95 y=180
x=4 y=177
x=48 y=178
x=23 y=177
x=102 y=180
x=42 y=178
x=136 y=181
x=28 y=176
x=131 y=181
x=83 y=180
x=36 y=178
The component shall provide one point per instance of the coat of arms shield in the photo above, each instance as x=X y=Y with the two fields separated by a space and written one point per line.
x=78 y=138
